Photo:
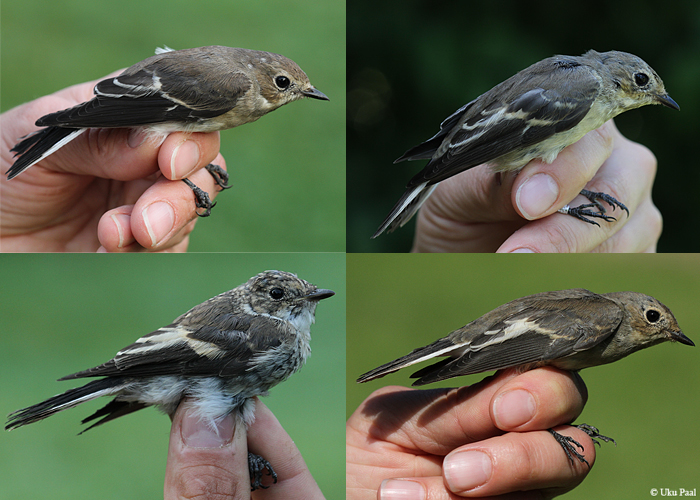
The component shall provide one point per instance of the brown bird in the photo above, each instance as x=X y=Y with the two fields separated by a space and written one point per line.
x=567 y=329
x=193 y=90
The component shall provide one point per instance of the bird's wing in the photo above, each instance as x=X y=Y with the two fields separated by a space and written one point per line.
x=224 y=345
x=426 y=150
x=490 y=127
x=529 y=330
x=164 y=88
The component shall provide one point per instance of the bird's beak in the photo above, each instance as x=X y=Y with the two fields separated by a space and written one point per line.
x=679 y=337
x=320 y=294
x=317 y=94
x=666 y=100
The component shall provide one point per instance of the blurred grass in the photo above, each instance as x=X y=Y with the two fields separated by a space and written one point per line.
x=649 y=402
x=287 y=169
x=443 y=54
x=63 y=313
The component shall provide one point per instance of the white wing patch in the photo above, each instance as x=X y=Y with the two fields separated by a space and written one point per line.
x=514 y=329
x=170 y=337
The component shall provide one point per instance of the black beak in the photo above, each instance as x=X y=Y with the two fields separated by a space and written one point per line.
x=317 y=94
x=322 y=293
x=666 y=100
x=679 y=337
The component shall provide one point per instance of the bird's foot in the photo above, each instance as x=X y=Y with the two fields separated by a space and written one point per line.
x=256 y=466
x=201 y=198
x=570 y=444
x=219 y=174
x=582 y=212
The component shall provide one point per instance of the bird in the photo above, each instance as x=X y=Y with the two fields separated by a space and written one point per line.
x=567 y=329
x=534 y=114
x=203 y=89
x=220 y=354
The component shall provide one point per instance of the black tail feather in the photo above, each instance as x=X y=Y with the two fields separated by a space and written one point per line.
x=112 y=410
x=68 y=399
x=31 y=148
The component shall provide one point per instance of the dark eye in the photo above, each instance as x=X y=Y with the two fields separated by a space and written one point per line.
x=653 y=316
x=282 y=82
x=641 y=79
x=276 y=293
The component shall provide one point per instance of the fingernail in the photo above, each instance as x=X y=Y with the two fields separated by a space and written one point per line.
x=399 y=489
x=159 y=218
x=467 y=470
x=522 y=250
x=184 y=160
x=513 y=408
x=536 y=196
x=137 y=136
x=122 y=222
x=199 y=433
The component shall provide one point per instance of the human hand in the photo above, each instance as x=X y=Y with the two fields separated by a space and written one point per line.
x=484 y=440
x=476 y=211
x=107 y=190
x=204 y=465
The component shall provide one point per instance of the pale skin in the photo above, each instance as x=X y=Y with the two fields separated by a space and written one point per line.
x=488 y=440
x=108 y=190
x=203 y=465
x=477 y=211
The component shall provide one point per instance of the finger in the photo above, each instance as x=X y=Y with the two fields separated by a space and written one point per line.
x=434 y=488
x=470 y=212
x=538 y=399
x=517 y=461
x=114 y=231
x=115 y=235
x=205 y=462
x=541 y=189
x=433 y=421
x=166 y=212
x=640 y=234
x=267 y=438
x=182 y=153
x=627 y=175
x=477 y=195
x=476 y=210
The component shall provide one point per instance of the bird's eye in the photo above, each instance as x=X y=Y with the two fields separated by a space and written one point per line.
x=641 y=79
x=276 y=293
x=282 y=82
x=653 y=315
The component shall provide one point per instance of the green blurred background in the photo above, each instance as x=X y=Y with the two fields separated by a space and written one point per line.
x=649 y=402
x=64 y=313
x=287 y=169
x=412 y=63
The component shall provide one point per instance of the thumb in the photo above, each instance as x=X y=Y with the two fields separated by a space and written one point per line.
x=206 y=462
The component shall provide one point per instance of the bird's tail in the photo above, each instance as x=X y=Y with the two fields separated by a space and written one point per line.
x=68 y=399
x=406 y=207
x=35 y=147
x=441 y=347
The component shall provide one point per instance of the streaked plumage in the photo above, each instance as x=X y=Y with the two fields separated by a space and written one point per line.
x=221 y=354
x=534 y=114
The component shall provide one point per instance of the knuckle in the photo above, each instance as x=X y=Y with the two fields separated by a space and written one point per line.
x=645 y=159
